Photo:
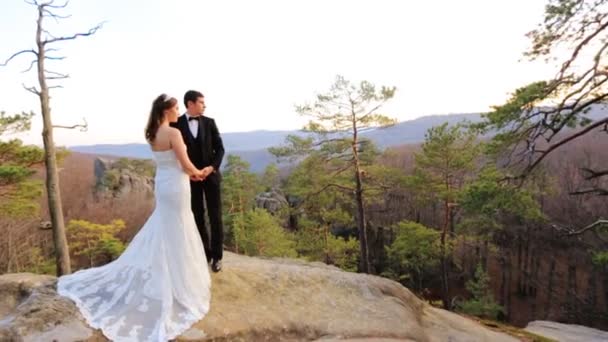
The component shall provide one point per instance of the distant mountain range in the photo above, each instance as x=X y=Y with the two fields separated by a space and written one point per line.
x=252 y=146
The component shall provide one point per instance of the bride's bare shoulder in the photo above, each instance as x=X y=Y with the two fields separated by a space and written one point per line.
x=168 y=130
x=174 y=131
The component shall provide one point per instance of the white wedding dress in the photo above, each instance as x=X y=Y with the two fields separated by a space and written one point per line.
x=160 y=285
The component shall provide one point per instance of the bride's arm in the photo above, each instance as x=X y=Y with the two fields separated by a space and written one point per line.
x=178 y=146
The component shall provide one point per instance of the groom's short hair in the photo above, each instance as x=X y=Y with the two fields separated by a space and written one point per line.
x=191 y=95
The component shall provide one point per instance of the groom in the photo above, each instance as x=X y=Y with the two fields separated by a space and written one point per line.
x=205 y=150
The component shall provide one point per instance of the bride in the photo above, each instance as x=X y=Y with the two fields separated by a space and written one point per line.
x=160 y=285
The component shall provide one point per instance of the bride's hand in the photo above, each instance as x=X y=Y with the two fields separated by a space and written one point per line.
x=201 y=174
x=198 y=176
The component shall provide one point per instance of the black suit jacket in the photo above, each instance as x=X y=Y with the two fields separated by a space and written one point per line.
x=211 y=146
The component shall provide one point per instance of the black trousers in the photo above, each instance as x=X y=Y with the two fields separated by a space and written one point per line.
x=209 y=190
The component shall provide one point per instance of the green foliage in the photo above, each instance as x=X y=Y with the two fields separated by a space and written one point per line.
x=544 y=115
x=487 y=203
x=13 y=152
x=239 y=188
x=341 y=156
x=540 y=116
x=40 y=264
x=295 y=147
x=335 y=110
x=448 y=155
x=482 y=303
x=11 y=174
x=414 y=254
x=343 y=253
x=600 y=258
x=142 y=167
x=240 y=185
x=111 y=179
x=514 y=113
x=446 y=162
x=526 y=96
x=317 y=244
x=18 y=193
x=270 y=177
x=310 y=181
x=257 y=233
x=337 y=117
x=20 y=200
x=95 y=240
x=15 y=123
x=326 y=208
x=566 y=21
x=327 y=190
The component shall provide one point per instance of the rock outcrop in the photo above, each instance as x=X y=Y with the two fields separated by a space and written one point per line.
x=256 y=299
x=273 y=201
x=118 y=178
x=566 y=332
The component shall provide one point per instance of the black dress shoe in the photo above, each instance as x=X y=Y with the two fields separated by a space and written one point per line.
x=216 y=266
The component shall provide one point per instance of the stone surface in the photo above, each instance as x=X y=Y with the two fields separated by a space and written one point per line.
x=566 y=332
x=255 y=299
x=273 y=201
x=31 y=310
x=128 y=182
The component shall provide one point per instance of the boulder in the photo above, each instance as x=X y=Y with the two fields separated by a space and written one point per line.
x=256 y=299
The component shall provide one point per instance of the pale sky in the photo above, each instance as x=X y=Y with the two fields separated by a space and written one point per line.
x=254 y=60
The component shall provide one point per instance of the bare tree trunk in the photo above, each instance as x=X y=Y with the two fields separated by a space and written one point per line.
x=9 y=253
x=62 y=255
x=503 y=280
x=241 y=210
x=444 y=260
x=486 y=254
x=550 y=289
x=366 y=267
x=361 y=221
x=509 y=278
x=572 y=310
x=45 y=9
x=326 y=240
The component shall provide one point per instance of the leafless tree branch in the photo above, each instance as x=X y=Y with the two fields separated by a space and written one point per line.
x=31 y=66
x=571 y=232
x=593 y=191
x=91 y=31
x=17 y=54
x=49 y=14
x=83 y=127
x=592 y=174
x=56 y=75
x=54 y=58
x=32 y=90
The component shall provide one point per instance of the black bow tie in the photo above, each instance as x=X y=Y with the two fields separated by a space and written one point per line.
x=193 y=118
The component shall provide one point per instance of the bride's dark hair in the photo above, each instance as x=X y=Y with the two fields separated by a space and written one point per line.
x=160 y=104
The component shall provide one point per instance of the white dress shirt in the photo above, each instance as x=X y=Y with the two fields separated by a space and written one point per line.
x=193 y=124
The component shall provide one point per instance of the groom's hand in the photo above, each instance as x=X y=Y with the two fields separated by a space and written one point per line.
x=199 y=176
x=207 y=171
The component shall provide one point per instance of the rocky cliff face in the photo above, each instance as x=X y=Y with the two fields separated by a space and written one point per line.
x=123 y=177
x=566 y=332
x=257 y=299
